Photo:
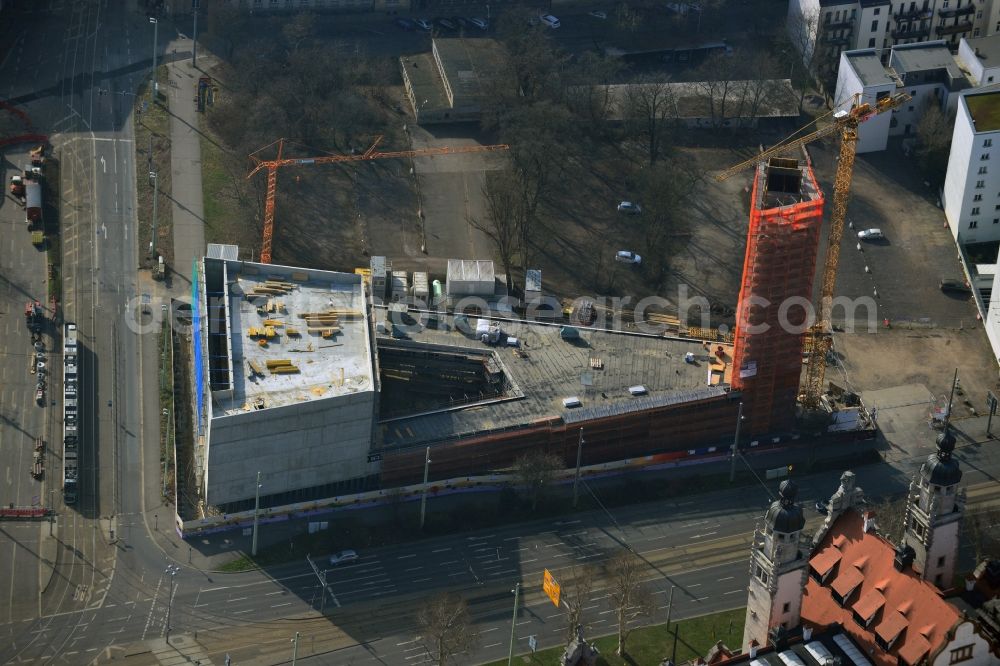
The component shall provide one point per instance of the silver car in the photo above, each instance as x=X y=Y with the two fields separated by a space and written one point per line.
x=343 y=557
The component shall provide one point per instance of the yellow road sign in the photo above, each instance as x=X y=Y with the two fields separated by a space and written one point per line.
x=551 y=587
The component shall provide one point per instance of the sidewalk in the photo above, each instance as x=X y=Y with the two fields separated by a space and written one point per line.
x=187 y=209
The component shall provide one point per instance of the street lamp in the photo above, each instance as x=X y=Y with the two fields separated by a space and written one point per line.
x=736 y=444
x=513 y=623
x=423 y=493
x=171 y=571
x=156 y=30
x=256 y=513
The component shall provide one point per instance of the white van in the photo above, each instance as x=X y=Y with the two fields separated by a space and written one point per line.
x=550 y=20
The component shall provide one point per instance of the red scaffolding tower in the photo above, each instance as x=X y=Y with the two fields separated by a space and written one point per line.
x=774 y=311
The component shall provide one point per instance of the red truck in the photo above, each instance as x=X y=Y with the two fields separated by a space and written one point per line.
x=32 y=202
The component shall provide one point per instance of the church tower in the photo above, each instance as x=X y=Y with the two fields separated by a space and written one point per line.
x=934 y=510
x=777 y=570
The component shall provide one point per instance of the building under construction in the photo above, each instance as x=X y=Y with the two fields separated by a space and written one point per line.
x=786 y=214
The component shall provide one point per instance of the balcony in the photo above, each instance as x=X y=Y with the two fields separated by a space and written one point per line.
x=836 y=41
x=964 y=26
x=838 y=25
x=914 y=33
x=914 y=15
x=957 y=11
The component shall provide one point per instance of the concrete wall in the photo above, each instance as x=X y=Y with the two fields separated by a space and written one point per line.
x=981 y=73
x=294 y=447
x=863 y=33
x=909 y=115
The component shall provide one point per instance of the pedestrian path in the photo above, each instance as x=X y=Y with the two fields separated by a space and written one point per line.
x=187 y=208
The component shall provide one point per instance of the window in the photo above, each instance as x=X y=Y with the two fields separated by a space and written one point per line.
x=786 y=607
x=854 y=12
x=984 y=157
x=990 y=79
x=982 y=170
x=961 y=654
x=871 y=43
x=977 y=197
x=979 y=184
x=941 y=561
x=979 y=15
x=975 y=210
x=910 y=109
x=829 y=17
x=975 y=33
x=987 y=143
x=972 y=225
x=877 y=10
x=945 y=4
x=996 y=220
x=874 y=26
x=997 y=207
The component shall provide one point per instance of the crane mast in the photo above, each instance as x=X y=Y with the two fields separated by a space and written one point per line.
x=819 y=341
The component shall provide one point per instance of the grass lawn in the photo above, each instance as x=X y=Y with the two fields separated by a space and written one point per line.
x=648 y=646
x=152 y=128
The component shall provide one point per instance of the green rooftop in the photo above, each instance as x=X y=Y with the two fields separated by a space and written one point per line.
x=985 y=110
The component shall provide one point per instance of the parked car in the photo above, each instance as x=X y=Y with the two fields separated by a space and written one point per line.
x=460 y=21
x=343 y=557
x=446 y=23
x=423 y=24
x=629 y=208
x=823 y=506
x=955 y=286
x=598 y=14
x=871 y=234
x=405 y=24
x=480 y=23
x=626 y=257
x=549 y=20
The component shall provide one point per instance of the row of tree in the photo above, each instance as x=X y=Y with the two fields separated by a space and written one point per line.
x=447 y=629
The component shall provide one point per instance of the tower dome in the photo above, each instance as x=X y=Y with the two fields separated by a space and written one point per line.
x=941 y=469
x=784 y=515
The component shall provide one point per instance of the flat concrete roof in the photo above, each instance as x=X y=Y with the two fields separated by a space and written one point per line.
x=327 y=367
x=869 y=68
x=925 y=57
x=428 y=89
x=987 y=49
x=547 y=369
x=985 y=110
x=468 y=64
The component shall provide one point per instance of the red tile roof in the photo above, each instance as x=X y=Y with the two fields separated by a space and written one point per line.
x=911 y=608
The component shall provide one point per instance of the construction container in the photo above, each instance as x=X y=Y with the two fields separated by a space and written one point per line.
x=470 y=277
x=381 y=274
x=532 y=285
x=421 y=292
x=399 y=286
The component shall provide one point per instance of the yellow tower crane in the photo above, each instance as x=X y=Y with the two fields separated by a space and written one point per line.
x=846 y=122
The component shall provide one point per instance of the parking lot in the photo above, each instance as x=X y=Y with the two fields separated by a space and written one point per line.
x=932 y=333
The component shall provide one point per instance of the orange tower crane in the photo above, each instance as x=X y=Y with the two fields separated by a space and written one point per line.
x=846 y=122
x=372 y=153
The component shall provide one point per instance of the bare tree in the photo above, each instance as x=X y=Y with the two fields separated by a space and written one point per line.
x=934 y=132
x=504 y=218
x=890 y=516
x=982 y=529
x=650 y=103
x=535 y=471
x=630 y=599
x=576 y=595
x=446 y=628
x=665 y=189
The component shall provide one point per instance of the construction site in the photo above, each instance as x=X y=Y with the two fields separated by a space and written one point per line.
x=312 y=385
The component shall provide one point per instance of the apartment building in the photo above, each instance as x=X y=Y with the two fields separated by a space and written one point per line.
x=823 y=29
x=927 y=71
x=971 y=195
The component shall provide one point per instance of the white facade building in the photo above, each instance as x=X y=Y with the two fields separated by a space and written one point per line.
x=980 y=58
x=926 y=71
x=863 y=76
x=827 y=28
x=971 y=195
